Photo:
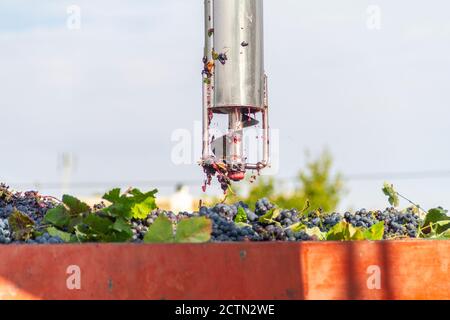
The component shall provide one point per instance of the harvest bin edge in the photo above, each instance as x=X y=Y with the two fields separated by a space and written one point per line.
x=407 y=269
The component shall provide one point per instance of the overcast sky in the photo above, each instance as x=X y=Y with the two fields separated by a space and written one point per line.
x=113 y=91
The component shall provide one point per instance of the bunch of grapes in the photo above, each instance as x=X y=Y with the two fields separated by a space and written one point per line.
x=45 y=239
x=139 y=230
x=30 y=203
x=361 y=218
x=5 y=233
x=282 y=226
x=225 y=230
x=285 y=225
x=329 y=221
x=288 y=217
x=262 y=206
x=399 y=224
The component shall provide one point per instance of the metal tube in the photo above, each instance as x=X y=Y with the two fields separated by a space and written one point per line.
x=208 y=80
x=234 y=82
x=236 y=148
x=239 y=47
x=266 y=138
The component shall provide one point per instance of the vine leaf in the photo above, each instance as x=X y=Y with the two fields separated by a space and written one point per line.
x=65 y=236
x=375 y=232
x=436 y=220
x=316 y=233
x=344 y=231
x=58 y=216
x=243 y=225
x=67 y=214
x=356 y=234
x=113 y=195
x=131 y=204
x=161 y=231
x=337 y=232
x=297 y=227
x=194 y=230
x=21 y=225
x=75 y=206
x=143 y=204
x=445 y=235
x=241 y=216
x=389 y=191
x=270 y=216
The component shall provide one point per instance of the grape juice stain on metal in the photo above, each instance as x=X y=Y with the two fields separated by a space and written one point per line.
x=234 y=89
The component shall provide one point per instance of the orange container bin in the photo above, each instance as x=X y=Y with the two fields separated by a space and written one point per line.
x=312 y=270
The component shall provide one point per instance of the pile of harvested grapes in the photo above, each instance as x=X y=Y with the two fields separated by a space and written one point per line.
x=133 y=216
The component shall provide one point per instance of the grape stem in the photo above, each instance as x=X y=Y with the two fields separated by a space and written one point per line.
x=53 y=198
x=411 y=202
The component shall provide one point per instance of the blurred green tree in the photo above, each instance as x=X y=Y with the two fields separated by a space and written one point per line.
x=318 y=184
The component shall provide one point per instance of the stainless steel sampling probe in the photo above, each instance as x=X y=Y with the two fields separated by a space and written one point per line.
x=235 y=86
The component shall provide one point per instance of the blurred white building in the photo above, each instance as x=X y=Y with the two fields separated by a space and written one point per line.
x=181 y=200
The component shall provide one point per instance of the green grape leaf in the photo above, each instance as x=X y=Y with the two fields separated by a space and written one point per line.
x=65 y=236
x=375 y=232
x=270 y=216
x=349 y=231
x=243 y=225
x=337 y=232
x=241 y=216
x=21 y=225
x=356 y=234
x=131 y=204
x=74 y=221
x=435 y=221
x=122 y=236
x=276 y=213
x=436 y=215
x=194 y=230
x=122 y=226
x=344 y=231
x=441 y=236
x=75 y=205
x=97 y=224
x=142 y=207
x=120 y=204
x=389 y=191
x=297 y=227
x=161 y=231
x=316 y=233
x=445 y=235
x=67 y=214
x=112 y=196
x=443 y=223
x=58 y=216
x=81 y=233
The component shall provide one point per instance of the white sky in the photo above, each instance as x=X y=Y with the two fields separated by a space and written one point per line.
x=113 y=92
